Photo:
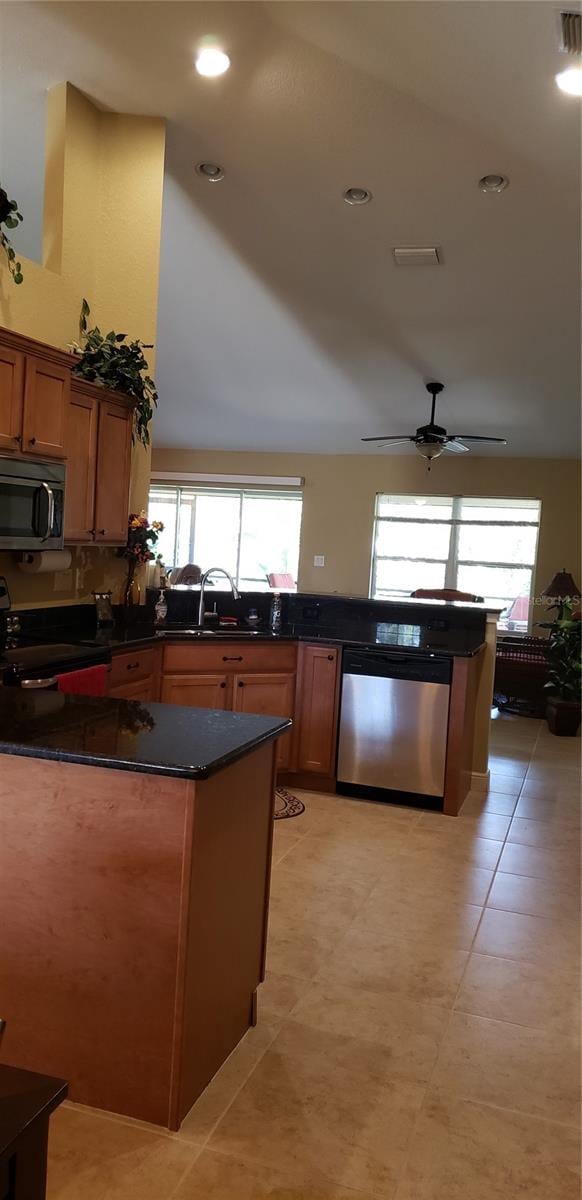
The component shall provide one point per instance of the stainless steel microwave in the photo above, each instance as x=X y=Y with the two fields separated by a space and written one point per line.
x=32 y=501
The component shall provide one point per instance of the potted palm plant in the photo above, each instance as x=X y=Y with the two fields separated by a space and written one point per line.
x=563 y=709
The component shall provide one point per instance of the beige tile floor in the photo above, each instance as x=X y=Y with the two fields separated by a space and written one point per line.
x=419 y=1027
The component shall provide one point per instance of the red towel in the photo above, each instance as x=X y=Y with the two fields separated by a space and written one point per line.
x=91 y=681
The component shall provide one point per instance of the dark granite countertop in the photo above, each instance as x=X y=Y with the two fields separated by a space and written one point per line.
x=380 y=635
x=130 y=735
x=24 y=1097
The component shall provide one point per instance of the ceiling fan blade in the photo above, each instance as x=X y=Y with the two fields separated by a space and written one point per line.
x=456 y=446
x=474 y=437
x=389 y=441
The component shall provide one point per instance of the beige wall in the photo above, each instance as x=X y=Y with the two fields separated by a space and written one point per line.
x=340 y=492
x=102 y=221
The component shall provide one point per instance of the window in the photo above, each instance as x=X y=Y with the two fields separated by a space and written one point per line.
x=252 y=533
x=478 y=545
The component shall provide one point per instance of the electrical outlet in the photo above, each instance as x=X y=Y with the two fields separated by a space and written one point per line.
x=319 y=560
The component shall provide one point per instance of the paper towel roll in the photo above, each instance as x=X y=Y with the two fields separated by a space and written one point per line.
x=40 y=562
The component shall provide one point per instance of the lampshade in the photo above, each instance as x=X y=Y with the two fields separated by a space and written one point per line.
x=561 y=585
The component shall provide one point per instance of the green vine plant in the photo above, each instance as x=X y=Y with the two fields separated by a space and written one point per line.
x=10 y=217
x=114 y=362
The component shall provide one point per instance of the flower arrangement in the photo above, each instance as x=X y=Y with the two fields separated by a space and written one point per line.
x=10 y=217
x=141 y=537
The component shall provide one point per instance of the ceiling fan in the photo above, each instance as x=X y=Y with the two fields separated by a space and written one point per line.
x=430 y=440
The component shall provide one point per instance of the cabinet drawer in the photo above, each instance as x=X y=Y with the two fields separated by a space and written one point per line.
x=131 y=666
x=229 y=656
x=141 y=689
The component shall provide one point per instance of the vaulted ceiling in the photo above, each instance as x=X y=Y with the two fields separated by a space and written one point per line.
x=283 y=322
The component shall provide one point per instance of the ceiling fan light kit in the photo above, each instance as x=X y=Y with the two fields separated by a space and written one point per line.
x=432 y=440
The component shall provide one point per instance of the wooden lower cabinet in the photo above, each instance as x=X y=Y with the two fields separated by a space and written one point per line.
x=317 y=707
x=272 y=695
x=142 y=689
x=135 y=674
x=196 y=691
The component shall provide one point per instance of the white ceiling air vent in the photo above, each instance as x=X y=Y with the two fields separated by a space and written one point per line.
x=416 y=256
x=571 y=32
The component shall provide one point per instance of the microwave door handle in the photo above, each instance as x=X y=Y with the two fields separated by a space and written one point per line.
x=50 y=511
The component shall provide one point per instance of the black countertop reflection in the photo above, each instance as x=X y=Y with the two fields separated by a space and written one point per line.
x=156 y=739
x=391 y=635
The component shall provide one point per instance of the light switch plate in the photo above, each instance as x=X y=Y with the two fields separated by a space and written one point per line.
x=319 y=560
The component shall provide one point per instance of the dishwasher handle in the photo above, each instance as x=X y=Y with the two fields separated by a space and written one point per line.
x=424 y=668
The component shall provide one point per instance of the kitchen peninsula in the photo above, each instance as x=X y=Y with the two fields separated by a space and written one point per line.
x=135 y=855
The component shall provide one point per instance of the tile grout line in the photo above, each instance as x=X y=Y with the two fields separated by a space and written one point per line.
x=286 y=1018
x=452 y=1010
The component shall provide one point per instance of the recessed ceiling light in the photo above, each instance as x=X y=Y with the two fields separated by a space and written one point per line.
x=357 y=195
x=211 y=61
x=570 y=81
x=493 y=183
x=210 y=171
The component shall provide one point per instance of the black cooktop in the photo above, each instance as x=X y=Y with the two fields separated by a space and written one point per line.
x=23 y=658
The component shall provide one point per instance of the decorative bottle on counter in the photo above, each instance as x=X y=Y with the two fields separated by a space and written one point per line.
x=276 y=613
x=161 y=609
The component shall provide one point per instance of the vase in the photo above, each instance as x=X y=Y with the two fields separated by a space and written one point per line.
x=131 y=592
x=563 y=716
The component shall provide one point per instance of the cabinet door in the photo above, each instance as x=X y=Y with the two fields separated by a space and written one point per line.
x=272 y=696
x=113 y=473
x=142 y=689
x=46 y=399
x=81 y=451
x=196 y=691
x=317 y=709
x=11 y=398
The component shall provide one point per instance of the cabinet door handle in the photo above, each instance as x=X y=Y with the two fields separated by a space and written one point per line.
x=240 y=683
x=32 y=441
x=132 y=666
x=17 y=438
x=330 y=657
x=233 y=658
x=92 y=532
x=102 y=532
x=223 y=685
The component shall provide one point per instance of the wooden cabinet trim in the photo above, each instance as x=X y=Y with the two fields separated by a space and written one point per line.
x=27 y=345
x=82 y=387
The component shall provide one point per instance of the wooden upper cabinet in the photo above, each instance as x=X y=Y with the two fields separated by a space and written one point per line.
x=81 y=454
x=113 y=473
x=47 y=411
x=272 y=695
x=46 y=398
x=11 y=398
x=317 y=707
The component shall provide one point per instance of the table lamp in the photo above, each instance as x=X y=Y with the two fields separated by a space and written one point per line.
x=561 y=588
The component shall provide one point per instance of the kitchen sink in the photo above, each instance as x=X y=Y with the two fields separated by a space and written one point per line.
x=209 y=633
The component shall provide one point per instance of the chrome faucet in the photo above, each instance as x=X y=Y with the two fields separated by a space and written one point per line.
x=212 y=571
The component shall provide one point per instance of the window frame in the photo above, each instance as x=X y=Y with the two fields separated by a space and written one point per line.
x=192 y=492
x=456 y=521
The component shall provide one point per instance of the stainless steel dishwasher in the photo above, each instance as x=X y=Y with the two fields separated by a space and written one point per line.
x=393 y=723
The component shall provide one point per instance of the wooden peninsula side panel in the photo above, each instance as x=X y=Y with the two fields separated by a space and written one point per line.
x=133 y=925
